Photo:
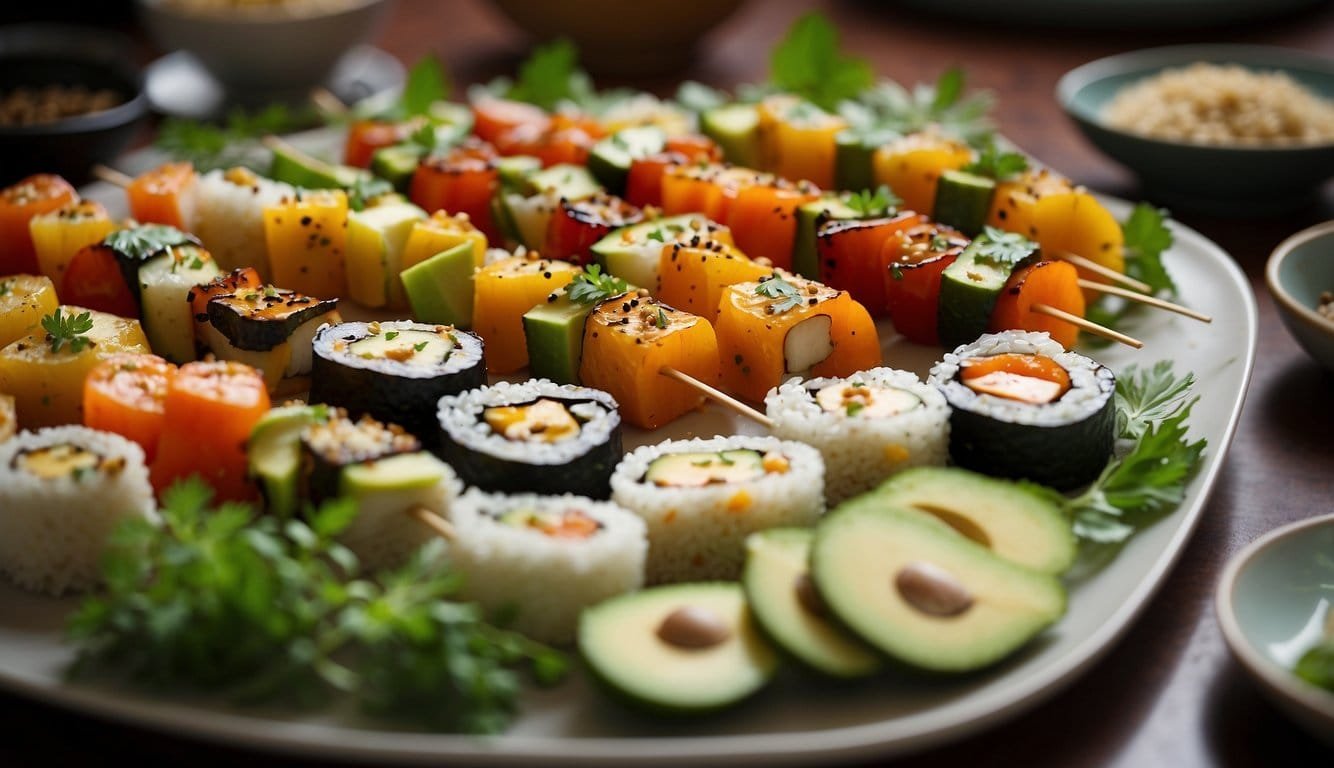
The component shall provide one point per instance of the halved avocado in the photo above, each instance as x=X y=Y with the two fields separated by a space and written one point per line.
x=924 y=594
x=1013 y=521
x=783 y=598
x=684 y=648
x=274 y=454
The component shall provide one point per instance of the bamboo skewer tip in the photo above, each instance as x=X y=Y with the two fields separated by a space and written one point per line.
x=718 y=396
x=432 y=519
x=1087 y=325
x=1098 y=269
x=112 y=176
x=1145 y=299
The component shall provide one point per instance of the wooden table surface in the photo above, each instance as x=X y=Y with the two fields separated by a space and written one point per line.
x=1168 y=693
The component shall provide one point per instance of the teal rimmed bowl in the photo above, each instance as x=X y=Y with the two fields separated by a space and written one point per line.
x=1273 y=603
x=1233 y=180
x=1299 y=269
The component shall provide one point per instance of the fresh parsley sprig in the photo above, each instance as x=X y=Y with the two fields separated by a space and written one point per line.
x=786 y=295
x=143 y=242
x=427 y=83
x=593 y=285
x=1147 y=237
x=807 y=62
x=1152 y=410
x=995 y=163
x=67 y=330
x=878 y=202
x=889 y=109
x=1003 y=248
x=220 y=599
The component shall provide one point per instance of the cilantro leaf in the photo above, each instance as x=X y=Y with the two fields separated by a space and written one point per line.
x=949 y=87
x=661 y=319
x=144 y=242
x=364 y=190
x=1146 y=238
x=550 y=76
x=807 y=63
x=995 y=164
x=1151 y=479
x=592 y=286
x=68 y=329
x=787 y=295
x=868 y=203
x=427 y=83
x=889 y=109
x=1003 y=248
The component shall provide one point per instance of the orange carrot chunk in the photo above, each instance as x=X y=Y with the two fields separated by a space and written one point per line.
x=163 y=196
x=1050 y=283
x=37 y=194
x=208 y=413
x=126 y=394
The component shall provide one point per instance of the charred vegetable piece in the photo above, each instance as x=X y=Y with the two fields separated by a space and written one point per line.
x=260 y=319
x=911 y=263
x=849 y=253
x=577 y=225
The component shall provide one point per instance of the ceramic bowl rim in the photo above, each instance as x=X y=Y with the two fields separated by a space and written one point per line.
x=1278 y=680
x=1280 y=293
x=252 y=17
x=1159 y=58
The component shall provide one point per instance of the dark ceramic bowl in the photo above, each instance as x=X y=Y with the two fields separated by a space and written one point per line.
x=38 y=55
x=1232 y=180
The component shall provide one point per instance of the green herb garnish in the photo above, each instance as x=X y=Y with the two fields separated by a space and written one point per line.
x=889 y=109
x=419 y=346
x=656 y=235
x=808 y=63
x=895 y=271
x=5 y=287
x=592 y=285
x=870 y=203
x=787 y=294
x=390 y=335
x=1004 y=248
x=661 y=320
x=228 y=600
x=550 y=76
x=427 y=83
x=855 y=408
x=142 y=243
x=994 y=163
x=364 y=190
x=1152 y=409
x=208 y=146
x=939 y=242
x=1147 y=237
x=68 y=330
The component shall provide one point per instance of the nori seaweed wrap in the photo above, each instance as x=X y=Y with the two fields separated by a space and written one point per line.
x=1023 y=407
x=395 y=371
x=331 y=446
x=534 y=437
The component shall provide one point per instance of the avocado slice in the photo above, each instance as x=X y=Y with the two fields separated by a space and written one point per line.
x=515 y=170
x=684 y=648
x=633 y=253
x=609 y=160
x=299 y=169
x=555 y=334
x=854 y=160
x=686 y=470
x=924 y=594
x=1014 y=521
x=805 y=256
x=439 y=289
x=783 y=598
x=375 y=240
x=404 y=471
x=452 y=114
x=963 y=201
x=736 y=129
x=571 y=182
x=274 y=455
x=396 y=164
x=968 y=291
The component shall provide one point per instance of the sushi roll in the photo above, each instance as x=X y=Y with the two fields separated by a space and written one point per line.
x=395 y=371
x=1023 y=407
x=536 y=436
x=545 y=558
x=867 y=426
x=229 y=216
x=63 y=491
x=701 y=498
x=269 y=328
x=385 y=472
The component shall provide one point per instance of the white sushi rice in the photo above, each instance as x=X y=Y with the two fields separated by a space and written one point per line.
x=860 y=452
x=462 y=418
x=545 y=581
x=1090 y=383
x=53 y=530
x=699 y=533
x=383 y=535
x=229 y=219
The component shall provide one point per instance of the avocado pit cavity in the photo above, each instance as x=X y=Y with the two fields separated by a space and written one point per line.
x=694 y=628
x=932 y=590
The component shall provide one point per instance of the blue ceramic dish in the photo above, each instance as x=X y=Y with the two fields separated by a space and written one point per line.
x=1234 y=180
x=1299 y=270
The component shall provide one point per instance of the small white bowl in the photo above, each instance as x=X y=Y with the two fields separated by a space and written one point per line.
x=1299 y=270
x=261 y=55
x=1271 y=608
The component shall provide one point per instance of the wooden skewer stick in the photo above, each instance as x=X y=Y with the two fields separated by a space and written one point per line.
x=1098 y=269
x=718 y=396
x=112 y=176
x=1152 y=301
x=434 y=521
x=327 y=102
x=1088 y=325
